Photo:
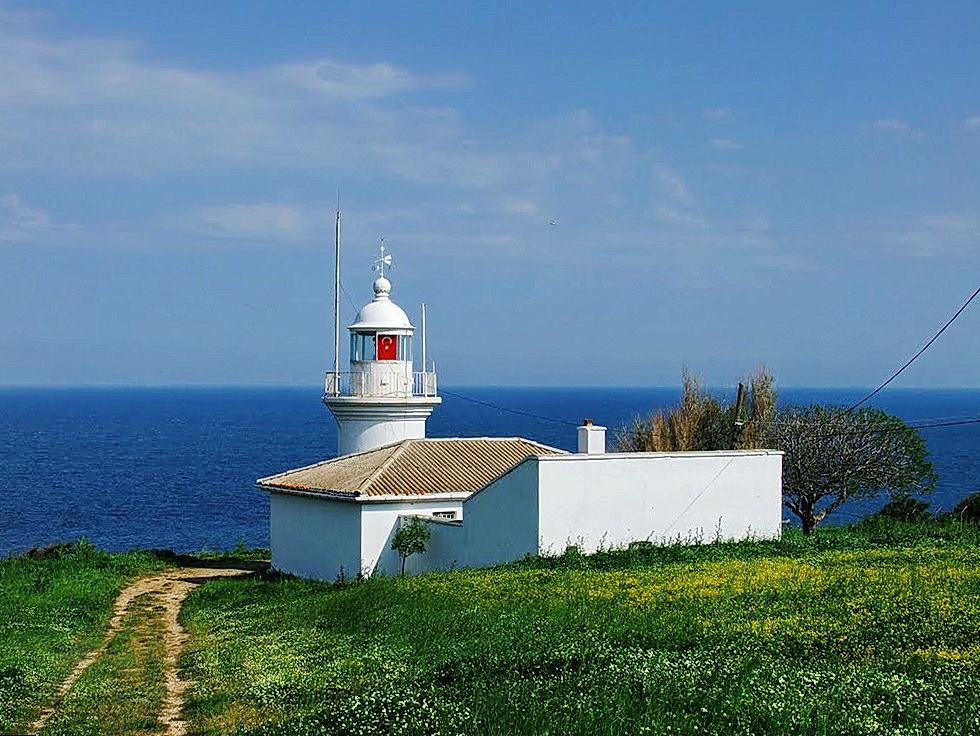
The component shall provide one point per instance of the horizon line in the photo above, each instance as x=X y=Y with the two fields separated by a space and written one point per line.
x=285 y=385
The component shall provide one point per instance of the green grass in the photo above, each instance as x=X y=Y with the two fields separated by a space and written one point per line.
x=123 y=691
x=52 y=611
x=872 y=629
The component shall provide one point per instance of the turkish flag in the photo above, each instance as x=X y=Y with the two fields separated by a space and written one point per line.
x=387 y=347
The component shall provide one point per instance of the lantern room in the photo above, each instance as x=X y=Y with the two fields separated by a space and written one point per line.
x=381 y=350
x=382 y=399
x=381 y=347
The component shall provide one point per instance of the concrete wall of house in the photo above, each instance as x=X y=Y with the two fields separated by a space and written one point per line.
x=501 y=521
x=597 y=501
x=445 y=548
x=315 y=537
x=543 y=505
x=378 y=524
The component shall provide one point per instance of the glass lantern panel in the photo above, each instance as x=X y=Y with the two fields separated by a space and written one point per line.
x=361 y=347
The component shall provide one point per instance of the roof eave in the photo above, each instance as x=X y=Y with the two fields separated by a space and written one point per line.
x=311 y=492
x=415 y=497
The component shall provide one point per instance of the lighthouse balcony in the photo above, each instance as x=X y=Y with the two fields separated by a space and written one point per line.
x=386 y=384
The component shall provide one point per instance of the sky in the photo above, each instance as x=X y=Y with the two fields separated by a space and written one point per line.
x=581 y=193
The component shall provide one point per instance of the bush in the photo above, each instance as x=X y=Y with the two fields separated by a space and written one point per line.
x=968 y=509
x=904 y=507
x=702 y=422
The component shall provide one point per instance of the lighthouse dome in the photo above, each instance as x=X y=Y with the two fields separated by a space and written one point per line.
x=381 y=313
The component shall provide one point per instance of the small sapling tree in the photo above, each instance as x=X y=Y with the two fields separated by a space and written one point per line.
x=411 y=538
x=833 y=456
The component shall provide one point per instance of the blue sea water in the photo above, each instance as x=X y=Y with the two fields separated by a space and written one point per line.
x=176 y=467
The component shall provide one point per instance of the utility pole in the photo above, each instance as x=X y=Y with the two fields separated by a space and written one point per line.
x=737 y=422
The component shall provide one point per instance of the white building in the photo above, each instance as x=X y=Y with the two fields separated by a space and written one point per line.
x=487 y=500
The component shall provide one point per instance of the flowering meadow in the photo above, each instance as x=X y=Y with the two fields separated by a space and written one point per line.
x=873 y=629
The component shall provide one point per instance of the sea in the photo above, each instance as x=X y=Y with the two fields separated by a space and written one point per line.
x=175 y=468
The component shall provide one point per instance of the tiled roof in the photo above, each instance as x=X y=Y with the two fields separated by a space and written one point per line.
x=413 y=467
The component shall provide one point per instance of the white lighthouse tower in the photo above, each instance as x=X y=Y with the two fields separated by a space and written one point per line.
x=383 y=399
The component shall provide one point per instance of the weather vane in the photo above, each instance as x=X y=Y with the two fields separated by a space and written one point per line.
x=384 y=260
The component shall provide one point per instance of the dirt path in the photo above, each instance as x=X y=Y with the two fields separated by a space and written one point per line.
x=168 y=589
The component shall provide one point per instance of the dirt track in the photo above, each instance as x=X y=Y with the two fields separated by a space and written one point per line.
x=168 y=589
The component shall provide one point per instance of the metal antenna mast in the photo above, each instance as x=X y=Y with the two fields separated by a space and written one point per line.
x=336 y=304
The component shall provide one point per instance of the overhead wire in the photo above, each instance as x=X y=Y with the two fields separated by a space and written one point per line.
x=887 y=430
x=518 y=412
x=567 y=422
x=925 y=347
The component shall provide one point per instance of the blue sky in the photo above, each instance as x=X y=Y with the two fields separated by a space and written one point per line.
x=580 y=192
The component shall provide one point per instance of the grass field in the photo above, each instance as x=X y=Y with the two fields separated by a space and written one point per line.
x=870 y=629
x=52 y=611
x=873 y=629
x=123 y=691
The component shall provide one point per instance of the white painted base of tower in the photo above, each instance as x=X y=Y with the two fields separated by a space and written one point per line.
x=365 y=423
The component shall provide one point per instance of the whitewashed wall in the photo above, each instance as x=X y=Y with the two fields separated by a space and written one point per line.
x=542 y=506
x=444 y=550
x=356 y=434
x=596 y=501
x=378 y=524
x=609 y=500
x=501 y=522
x=315 y=537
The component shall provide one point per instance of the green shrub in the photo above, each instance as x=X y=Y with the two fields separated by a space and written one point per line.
x=904 y=507
x=968 y=509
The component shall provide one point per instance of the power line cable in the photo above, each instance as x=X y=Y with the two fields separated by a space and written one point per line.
x=922 y=422
x=888 y=430
x=510 y=411
x=921 y=351
x=344 y=292
x=933 y=425
x=946 y=424
x=698 y=496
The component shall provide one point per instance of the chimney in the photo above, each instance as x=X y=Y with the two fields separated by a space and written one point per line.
x=591 y=438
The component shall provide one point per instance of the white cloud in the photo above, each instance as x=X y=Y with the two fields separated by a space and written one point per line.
x=897 y=127
x=726 y=144
x=950 y=234
x=965 y=223
x=672 y=185
x=521 y=206
x=98 y=106
x=261 y=222
x=718 y=113
x=674 y=216
x=673 y=202
x=972 y=123
x=332 y=79
x=20 y=221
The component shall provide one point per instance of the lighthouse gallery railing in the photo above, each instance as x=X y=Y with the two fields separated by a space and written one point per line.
x=381 y=384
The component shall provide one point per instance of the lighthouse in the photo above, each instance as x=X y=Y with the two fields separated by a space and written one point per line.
x=382 y=399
